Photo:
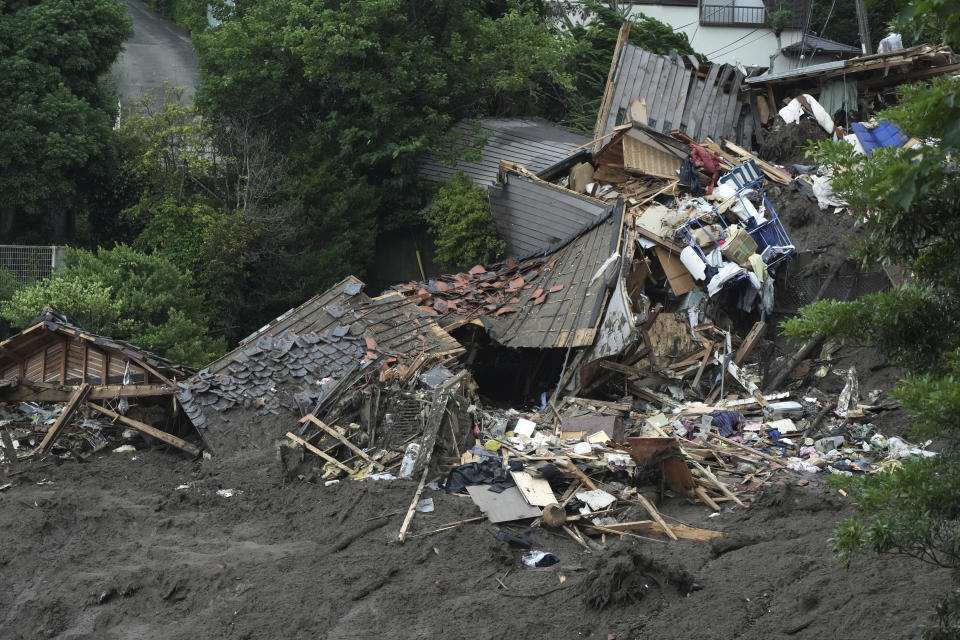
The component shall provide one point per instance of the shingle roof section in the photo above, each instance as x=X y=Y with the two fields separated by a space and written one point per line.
x=532 y=215
x=534 y=143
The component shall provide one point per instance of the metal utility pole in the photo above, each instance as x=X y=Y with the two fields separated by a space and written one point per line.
x=864 y=27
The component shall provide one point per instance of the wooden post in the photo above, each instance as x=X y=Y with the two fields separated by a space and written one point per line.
x=702 y=494
x=749 y=342
x=413 y=505
x=143 y=427
x=719 y=485
x=63 y=368
x=72 y=405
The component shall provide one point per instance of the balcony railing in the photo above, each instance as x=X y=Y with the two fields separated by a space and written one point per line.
x=730 y=16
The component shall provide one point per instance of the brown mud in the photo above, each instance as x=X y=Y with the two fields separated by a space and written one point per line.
x=113 y=549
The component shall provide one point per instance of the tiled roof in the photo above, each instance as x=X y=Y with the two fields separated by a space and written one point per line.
x=551 y=299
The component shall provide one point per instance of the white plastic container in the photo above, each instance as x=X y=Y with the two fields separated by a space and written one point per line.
x=694 y=263
x=409 y=459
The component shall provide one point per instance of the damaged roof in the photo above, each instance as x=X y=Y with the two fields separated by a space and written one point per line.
x=676 y=97
x=534 y=143
x=552 y=299
x=815 y=45
x=53 y=350
x=303 y=357
x=892 y=67
x=531 y=214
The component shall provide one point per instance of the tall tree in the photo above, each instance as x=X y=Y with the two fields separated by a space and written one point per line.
x=56 y=136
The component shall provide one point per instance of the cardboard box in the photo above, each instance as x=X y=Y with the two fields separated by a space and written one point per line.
x=739 y=246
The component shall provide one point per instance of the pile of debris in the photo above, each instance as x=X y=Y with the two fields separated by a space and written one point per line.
x=642 y=270
x=73 y=393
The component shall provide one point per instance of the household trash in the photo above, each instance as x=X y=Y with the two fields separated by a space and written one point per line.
x=540 y=559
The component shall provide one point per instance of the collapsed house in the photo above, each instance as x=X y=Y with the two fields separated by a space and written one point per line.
x=854 y=86
x=641 y=270
x=673 y=92
x=54 y=361
x=342 y=357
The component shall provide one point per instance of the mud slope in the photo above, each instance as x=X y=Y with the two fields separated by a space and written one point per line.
x=112 y=549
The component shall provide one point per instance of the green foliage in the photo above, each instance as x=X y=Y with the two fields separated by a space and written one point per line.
x=459 y=218
x=908 y=202
x=87 y=302
x=894 y=510
x=930 y=21
x=843 y=26
x=56 y=136
x=125 y=294
x=780 y=19
x=591 y=47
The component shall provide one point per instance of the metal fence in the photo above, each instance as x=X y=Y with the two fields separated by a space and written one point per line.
x=32 y=263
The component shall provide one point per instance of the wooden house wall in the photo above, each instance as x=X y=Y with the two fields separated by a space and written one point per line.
x=70 y=362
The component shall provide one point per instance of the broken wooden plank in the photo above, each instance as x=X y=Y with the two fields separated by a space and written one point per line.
x=707 y=500
x=654 y=396
x=536 y=491
x=143 y=427
x=72 y=405
x=772 y=172
x=413 y=505
x=622 y=368
x=750 y=342
x=606 y=404
x=682 y=531
x=749 y=450
x=719 y=485
x=568 y=464
x=45 y=392
x=652 y=510
x=323 y=454
x=336 y=434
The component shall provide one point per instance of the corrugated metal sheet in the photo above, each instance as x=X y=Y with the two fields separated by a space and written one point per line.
x=536 y=144
x=531 y=215
x=675 y=95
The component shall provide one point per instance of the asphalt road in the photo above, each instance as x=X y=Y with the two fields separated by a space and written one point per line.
x=158 y=52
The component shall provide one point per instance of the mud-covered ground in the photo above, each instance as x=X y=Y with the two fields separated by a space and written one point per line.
x=114 y=549
x=140 y=545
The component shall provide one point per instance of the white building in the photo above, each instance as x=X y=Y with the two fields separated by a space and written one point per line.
x=732 y=31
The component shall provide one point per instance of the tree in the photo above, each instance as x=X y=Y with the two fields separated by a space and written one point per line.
x=592 y=43
x=125 y=294
x=56 y=136
x=909 y=201
x=459 y=218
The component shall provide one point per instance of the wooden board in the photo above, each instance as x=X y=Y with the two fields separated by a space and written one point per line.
x=142 y=427
x=78 y=396
x=688 y=533
x=680 y=279
x=536 y=491
x=749 y=342
x=502 y=507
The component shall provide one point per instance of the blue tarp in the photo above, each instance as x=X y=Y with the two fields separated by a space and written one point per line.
x=885 y=134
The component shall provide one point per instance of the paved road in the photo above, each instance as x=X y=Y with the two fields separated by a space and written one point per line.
x=158 y=51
